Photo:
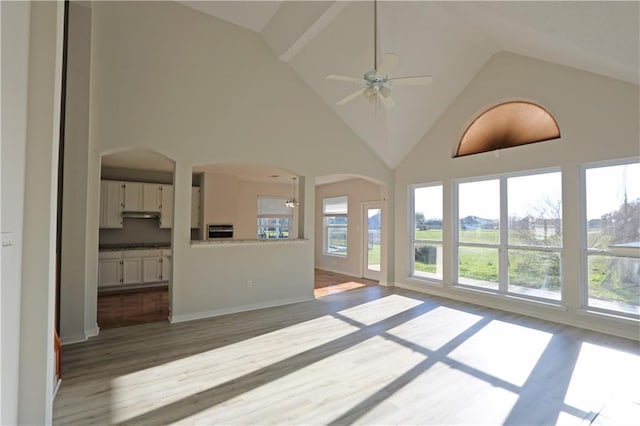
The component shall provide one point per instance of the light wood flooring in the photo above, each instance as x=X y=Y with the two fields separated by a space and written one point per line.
x=372 y=355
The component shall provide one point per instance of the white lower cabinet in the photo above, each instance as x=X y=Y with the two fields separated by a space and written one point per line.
x=131 y=267
x=152 y=269
x=109 y=268
x=131 y=270
x=166 y=265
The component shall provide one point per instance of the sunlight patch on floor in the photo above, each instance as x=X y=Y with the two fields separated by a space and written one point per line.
x=337 y=288
x=380 y=309
x=136 y=393
x=435 y=328
x=490 y=352
x=436 y=397
x=318 y=394
x=603 y=376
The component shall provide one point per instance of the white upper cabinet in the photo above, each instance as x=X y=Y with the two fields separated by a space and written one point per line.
x=166 y=211
x=111 y=203
x=133 y=196
x=151 y=197
x=195 y=207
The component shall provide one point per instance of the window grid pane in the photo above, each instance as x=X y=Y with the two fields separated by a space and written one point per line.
x=479 y=212
x=535 y=210
x=613 y=229
x=535 y=273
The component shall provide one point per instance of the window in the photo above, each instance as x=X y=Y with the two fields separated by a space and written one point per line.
x=426 y=243
x=507 y=125
x=274 y=219
x=510 y=234
x=613 y=237
x=335 y=211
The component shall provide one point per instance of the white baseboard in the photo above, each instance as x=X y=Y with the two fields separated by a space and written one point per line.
x=627 y=329
x=80 y=337
x=74 y=338
x=243 y=308
x=56 y=387
x=336 y=271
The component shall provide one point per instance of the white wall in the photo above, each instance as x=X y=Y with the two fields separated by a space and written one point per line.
x=357 y=191
x=201 y=90
x=220 y=198
x=15 y=55
x=74 y=206
x=598 y=119
x=29 y=166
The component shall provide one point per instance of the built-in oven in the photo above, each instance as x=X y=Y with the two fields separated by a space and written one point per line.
x=219 y=231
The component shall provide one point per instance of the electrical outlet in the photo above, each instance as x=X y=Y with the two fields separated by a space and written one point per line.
x=249 y=283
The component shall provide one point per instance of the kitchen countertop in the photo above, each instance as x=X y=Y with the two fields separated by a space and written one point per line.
x=133 y=246
x=231 y=241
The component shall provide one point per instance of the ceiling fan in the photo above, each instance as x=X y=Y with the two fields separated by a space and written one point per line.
x=376 y=84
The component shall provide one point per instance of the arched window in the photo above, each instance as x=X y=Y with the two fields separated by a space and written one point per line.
x=506 y=125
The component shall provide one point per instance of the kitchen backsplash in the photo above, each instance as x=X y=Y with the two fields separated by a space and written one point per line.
x=136 y=231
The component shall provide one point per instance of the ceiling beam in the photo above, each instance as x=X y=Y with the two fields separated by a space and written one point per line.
x=297 y=23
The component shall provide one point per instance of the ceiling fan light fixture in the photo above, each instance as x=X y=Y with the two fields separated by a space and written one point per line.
x=374 y=82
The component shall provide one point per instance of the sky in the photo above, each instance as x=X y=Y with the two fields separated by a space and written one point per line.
x=606 y=188
x=607 y=185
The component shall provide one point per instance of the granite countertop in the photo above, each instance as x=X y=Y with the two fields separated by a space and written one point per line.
x=133 y=246
x=230 y=241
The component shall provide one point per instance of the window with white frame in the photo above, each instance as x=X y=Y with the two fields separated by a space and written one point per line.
x=426 y=242
x=612 y=235
x=335 y=210
x=510 y=234
x=274 y=218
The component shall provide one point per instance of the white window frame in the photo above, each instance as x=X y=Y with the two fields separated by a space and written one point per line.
x=325 y=227
x=585 y=251
x=412 y=232
x=273 y=216
x=503 y=245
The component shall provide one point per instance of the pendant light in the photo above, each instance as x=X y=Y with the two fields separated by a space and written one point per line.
x=292 y=203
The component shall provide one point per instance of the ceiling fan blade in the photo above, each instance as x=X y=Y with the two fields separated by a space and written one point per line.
x=344 y=78
x=411 y=81
x=387 y=101
x=388 y=63
x=351 y=97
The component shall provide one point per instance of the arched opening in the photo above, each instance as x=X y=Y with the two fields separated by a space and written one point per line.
x=135 y=261
x=350 y=236
x=507 y=125
x=249 y=202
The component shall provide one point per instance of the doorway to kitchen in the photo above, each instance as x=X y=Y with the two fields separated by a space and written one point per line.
x=135 y=238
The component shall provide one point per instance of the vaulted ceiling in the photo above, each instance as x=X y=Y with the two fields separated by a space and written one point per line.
x=449 y=40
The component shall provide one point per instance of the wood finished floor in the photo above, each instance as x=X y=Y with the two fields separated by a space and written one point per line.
x=132 y=307
x=142 y=306
x=372 y=355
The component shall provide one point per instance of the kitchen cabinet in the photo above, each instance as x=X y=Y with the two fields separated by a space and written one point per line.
x=131 y=267
x=131 y=270
x=166 y=210
x=152 y=269
x=166 y=265
x=133 y=196
x=109 y=269
x=151 y=197
x=111 y=203
x=195 y=207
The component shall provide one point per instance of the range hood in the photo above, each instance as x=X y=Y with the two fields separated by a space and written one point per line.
x=141 y=215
